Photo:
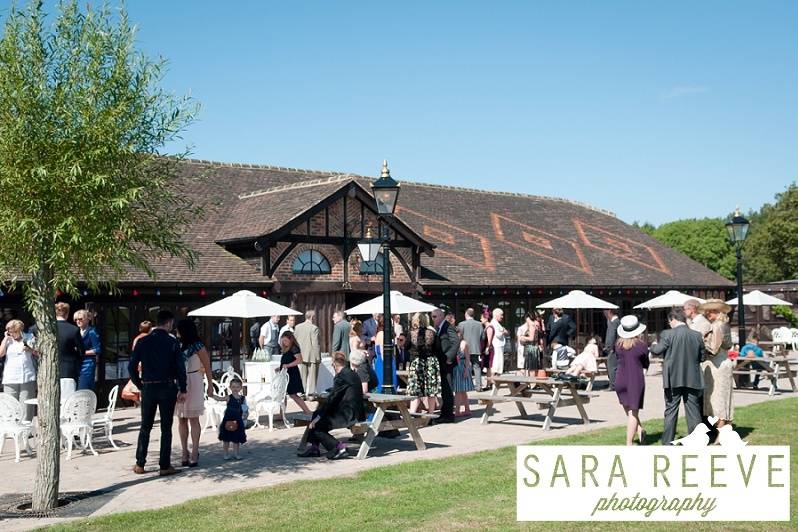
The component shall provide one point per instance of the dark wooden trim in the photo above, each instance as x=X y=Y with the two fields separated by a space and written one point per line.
x=346 y=215
x=264 y=260
x=366 y=201
x=362 y=219
x=279 y=260
x=303 y=287
x=404 y=264
x=334 y=240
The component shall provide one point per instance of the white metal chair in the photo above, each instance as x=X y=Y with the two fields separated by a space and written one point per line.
x=11 y=424
x=227 y=376
x=214 y=410
x=106 y=421
x=76 y=416
x=270 y=402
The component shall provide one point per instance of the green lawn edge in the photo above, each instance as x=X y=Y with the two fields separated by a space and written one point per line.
x=470 y=491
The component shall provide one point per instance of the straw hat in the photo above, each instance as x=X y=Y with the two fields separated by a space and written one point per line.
x=714 y=304
x=630 y=327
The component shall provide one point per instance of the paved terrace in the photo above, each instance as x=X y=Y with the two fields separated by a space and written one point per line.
x=270 y=458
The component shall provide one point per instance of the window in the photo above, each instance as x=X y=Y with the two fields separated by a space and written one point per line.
x=373 y=267
x=311 y=262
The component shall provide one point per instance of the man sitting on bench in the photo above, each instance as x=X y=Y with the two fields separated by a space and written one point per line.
x=344 y=407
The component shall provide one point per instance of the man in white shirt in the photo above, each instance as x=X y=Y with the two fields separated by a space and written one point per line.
x=290 y=321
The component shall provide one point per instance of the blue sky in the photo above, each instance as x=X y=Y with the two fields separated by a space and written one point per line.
x=655 y=111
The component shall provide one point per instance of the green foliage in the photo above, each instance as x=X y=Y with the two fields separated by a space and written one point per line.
x=645 y=227
x=705 y=241
x=771 y=250
x=786 y=312
x=82 y=120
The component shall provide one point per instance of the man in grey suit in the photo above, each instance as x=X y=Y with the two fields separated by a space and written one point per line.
x=472 y=331
x=307 y=336
x=681 y=373
x=340 y=336
x=609 y=344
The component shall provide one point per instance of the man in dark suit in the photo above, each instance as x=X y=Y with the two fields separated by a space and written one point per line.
x=344 y=407
x=162 y=383
x=610 y=338
x=561 y=327
x=681 y=373
x=445 y=348
x=70 y=344
x=340 y=336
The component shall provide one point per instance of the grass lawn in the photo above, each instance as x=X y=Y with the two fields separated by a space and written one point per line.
x=475 y=491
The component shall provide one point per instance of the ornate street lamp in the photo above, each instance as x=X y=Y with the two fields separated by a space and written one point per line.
x=386 y=192
x=738 y=230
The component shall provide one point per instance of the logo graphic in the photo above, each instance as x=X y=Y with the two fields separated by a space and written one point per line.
x=686 y=481
x=699 y=438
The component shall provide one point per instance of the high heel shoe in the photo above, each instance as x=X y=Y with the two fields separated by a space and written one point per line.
x=641 y=439
x=184 y=462
x=194 y=463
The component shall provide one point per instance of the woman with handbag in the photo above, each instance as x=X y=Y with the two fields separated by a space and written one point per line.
x=231 y=430
x=198 y=365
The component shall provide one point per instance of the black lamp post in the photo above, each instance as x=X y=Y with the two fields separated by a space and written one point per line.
x=386 y=192
x=738 y=230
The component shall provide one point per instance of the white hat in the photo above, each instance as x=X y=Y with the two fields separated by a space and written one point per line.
x=630 y=327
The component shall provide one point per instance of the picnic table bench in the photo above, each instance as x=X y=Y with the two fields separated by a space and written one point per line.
x=778 y=367
x=385 y=404
x=548 y=394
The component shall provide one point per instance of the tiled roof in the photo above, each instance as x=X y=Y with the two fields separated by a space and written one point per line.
x=482 y=238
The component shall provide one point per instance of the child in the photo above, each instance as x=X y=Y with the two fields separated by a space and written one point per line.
x=561 y=354
x=231 y=429
x=462 y=383
x=586 y=361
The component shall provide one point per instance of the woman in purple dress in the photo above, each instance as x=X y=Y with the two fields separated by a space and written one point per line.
x=630 y=381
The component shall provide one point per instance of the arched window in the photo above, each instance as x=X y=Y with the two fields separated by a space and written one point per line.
x=373 y=267
x=311 y=262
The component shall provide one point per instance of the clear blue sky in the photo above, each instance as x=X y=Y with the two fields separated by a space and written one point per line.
x=655 y=111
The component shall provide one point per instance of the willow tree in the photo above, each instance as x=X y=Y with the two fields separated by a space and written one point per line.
x=87 y=191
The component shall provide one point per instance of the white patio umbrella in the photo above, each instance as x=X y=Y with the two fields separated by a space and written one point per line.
x=755 y=298
x=400 y=304
x=671 y=298
x=244 y=304
x=576 y=299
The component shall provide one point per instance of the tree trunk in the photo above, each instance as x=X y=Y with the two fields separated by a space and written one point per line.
x=40 y=299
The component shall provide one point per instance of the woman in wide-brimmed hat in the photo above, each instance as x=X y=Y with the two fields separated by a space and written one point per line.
x=717 y=368
x=630 y=381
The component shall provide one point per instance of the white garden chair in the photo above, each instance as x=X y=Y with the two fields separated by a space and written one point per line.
x=227 y=376
x=76 y=416
x=270 y=402
x=106 y=421
x=11 y=424
x=214 y=409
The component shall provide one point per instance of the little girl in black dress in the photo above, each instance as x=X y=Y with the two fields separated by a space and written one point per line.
x=231 y=429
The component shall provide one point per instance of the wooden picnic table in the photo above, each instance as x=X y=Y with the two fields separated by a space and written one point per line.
x=403 y=376
x=778 y=367
x=384 y=404
x=547 y=393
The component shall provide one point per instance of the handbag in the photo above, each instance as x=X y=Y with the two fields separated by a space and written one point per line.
x=131 y=392
x=231 y=425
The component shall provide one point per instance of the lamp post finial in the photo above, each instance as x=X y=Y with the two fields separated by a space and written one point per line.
x=385 y=172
